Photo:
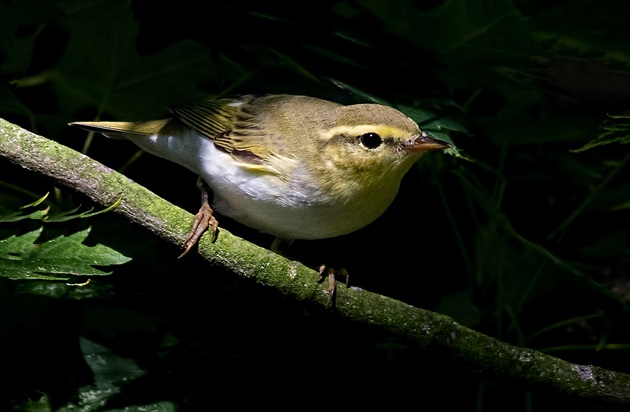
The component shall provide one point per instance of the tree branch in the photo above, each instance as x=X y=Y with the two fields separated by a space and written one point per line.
x=420 y=329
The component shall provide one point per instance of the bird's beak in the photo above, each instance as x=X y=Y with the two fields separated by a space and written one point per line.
x=424 y=143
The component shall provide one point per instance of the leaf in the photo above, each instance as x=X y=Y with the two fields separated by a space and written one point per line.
x=359 y=94
x=612 y=197
x=434 y=122
x=460 y=306
x=21 y=258
x=516 y=128
x=102 y=67
x=335 y=57
x=610 y=246
x=45 y=215
x=22 y=22
x=586 y=28
x=17 y=216
x=488 y=27
x=11 y=104
x=107 y=366
x=616 y=130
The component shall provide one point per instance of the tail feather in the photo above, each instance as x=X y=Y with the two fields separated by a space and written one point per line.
x=122 y=129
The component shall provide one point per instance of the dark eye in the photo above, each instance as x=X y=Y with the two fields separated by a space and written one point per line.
x=371 y=140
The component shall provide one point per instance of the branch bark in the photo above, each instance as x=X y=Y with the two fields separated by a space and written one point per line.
x=420 y=329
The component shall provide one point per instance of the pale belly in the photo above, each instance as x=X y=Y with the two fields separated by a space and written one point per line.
x=296 y=221
x=289 y=210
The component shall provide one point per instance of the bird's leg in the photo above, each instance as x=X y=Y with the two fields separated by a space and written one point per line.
x=204 y=219
x=332 y=275
x=280 y=247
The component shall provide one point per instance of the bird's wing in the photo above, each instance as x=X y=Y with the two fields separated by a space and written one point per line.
x=230 y=123
x=232 y=128
x=212 y=118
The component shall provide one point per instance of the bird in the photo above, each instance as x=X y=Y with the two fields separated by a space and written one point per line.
x=295 y=167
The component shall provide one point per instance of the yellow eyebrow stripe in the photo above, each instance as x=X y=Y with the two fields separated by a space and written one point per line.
x=381 y=130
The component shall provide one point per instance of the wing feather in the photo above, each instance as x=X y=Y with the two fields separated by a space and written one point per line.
x=211 y=118
x=224 y=122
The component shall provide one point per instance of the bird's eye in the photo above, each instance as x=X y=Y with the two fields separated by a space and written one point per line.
x=371 y=140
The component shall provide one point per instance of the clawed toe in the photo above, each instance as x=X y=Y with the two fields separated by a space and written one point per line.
x=332 y=274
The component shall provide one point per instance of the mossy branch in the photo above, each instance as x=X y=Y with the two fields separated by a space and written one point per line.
x=420 y=329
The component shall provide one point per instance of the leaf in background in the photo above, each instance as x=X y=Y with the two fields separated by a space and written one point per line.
x=102 y=67
x=460 y=306
x=21 y=259
x=616 y=130
x=20 y=24
x=11 y=104
x=488 y=27
x=335 y=56
x=515 y=127
x=609 y=246
x=612 y=198
x=591 y=29
x=111 y=372
x=17 y=216
x=434 y=122
x=359 y=94
x=271 y=57
x=7 y=216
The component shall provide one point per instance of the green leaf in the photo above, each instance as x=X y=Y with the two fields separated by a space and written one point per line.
x=615 y=244
x=21 y=258
x=7 y=216
x=488 y=27
x=434 y=122
x=460 y=306
x=334 y=56
x=615 y=130
x=359 y=94
x=20 y=24
x=102 y=67
x=590 y=29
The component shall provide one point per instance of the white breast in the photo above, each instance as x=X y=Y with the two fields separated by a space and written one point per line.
x=289 y=210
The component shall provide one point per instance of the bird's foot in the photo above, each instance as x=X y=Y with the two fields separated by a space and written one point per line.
x=204 y=219
x=332 y=274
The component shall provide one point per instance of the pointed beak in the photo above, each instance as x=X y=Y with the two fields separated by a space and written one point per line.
x=424 y=143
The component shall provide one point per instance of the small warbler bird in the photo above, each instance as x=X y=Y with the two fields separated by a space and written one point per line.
x=295 y=167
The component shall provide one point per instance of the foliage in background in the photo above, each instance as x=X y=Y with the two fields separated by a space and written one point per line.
x=21 y=258
x=522 y=233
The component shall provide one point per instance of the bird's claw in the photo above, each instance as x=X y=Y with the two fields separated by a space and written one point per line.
x=332 y=274
x=204 y=219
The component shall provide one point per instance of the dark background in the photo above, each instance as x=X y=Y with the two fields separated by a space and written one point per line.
x=515 y=233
